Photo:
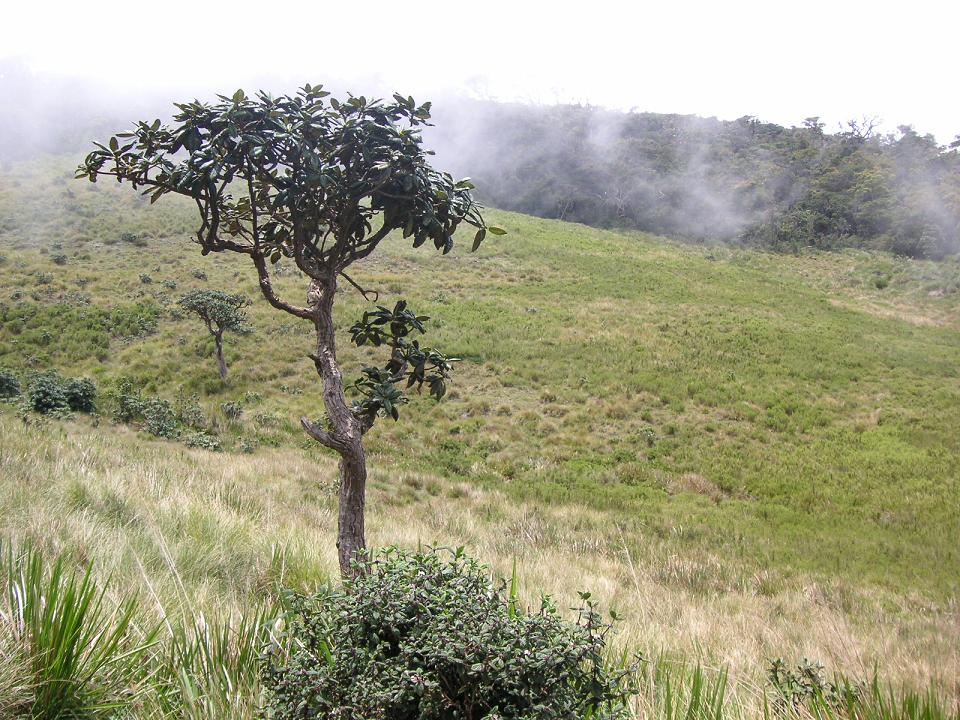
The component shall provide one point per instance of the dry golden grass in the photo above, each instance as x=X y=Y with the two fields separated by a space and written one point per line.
x=215 y=532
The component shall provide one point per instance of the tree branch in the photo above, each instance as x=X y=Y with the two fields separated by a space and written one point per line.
x=323 y=437
x=266 y=287
x=365 y=293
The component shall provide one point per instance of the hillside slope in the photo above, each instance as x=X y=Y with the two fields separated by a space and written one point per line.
x=699 y=435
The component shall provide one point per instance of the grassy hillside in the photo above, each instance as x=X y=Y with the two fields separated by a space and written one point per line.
x=749 y=455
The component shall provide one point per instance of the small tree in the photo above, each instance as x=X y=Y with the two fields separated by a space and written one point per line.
x=220 y=312
x=323 y=182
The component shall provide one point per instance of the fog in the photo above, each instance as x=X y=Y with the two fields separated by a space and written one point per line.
x=775 y=61
x=642 y=117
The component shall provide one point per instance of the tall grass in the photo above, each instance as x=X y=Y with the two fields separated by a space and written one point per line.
x=81 y=654
x=68 y=649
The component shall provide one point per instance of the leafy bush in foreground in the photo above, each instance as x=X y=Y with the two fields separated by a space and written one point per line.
x=807 y=683
x=429 y=636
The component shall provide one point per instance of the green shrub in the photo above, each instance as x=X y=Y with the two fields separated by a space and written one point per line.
x=233 y=410
x=46 y=394
x=157 y=415
x=189 y=412
x=133 y=239
x=203 y=440
x=81 y=394
x=59 y=259
x=429 y=636
x=9 y=384
x=133 y=321
x=159 y=418
x=128 y=404
x=806 y=684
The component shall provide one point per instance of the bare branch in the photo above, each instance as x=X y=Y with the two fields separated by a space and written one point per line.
x=365 y=293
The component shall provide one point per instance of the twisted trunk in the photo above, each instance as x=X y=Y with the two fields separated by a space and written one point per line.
x=346 y=433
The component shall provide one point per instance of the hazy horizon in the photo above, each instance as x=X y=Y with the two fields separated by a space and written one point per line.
x=746 y=58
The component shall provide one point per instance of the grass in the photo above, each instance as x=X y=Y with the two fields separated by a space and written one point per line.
x=748 y=455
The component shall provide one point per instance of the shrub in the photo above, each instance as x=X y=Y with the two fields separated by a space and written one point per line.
x=232 y=410
x=189 y=412
x=203 y=440
x=133 y=321
x=425 y=636
x=145 y=279
x=59 y=259
x=806 y=684
x=9 y=384
x=81 y=394
x=133 y=239
x=45 y=393
x=129 y=404
x=159 y=418
x=156 y=414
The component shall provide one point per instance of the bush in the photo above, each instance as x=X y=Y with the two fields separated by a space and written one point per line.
x=203 y=440
x=81 y=394
x=159 y=418
x=189 y=412
x=129 y=404
x=133 y=239
x=232 y=410
x=806 y=684
x=429 y=636
x=9 y=385
x=157 y=415
x=46 y=394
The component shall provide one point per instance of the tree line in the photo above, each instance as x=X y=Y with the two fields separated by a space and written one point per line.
x=744 y=181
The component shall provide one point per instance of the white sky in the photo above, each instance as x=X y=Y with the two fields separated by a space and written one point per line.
x=781 y=61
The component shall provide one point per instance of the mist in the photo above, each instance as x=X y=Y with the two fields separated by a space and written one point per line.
x=680 y=175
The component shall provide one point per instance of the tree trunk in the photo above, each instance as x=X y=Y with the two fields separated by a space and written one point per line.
x=221 y=362
x=346 y=435
x=351 y=541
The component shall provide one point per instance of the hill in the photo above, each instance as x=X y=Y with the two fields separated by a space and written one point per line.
x=749 y=454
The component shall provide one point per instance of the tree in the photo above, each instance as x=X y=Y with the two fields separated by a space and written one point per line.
x=220 y=312
x=323 y=182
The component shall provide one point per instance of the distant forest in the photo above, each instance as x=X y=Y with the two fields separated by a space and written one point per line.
x=704 y=179
x=745 y=181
